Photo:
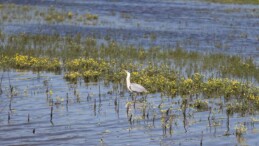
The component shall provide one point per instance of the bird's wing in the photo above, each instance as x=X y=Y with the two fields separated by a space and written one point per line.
x=137 y=88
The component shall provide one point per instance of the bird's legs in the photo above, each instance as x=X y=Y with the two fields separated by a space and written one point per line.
x=133 y=98
x=144 y=97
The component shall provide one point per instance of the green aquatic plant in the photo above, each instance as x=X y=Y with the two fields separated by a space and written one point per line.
x=226 y=66
x=240 y=129
x=86 y=68
x=31 y=63
x=23 y=13
x=72 y=76
x=70 y=15
x=91 y=17
x=171 y=72
x=200 y=104
x=91 y=74
x=186 y=86
x=241 y=106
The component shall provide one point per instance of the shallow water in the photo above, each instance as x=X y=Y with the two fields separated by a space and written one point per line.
x=89 y=116
x=79 y=123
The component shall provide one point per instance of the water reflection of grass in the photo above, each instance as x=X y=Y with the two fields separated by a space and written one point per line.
x=169 y=71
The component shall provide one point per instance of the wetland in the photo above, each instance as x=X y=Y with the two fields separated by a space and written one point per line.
x=62 y=80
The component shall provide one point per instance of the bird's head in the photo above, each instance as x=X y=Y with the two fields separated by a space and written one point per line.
x=127 y=71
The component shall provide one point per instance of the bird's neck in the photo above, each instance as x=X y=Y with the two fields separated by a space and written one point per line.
x=128 y=80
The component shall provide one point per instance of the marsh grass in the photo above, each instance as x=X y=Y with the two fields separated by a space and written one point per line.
x=51 y=15
x=171 y=71
x=240 y=129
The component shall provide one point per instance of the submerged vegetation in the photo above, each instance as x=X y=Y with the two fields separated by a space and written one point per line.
x=171 y=71
x=50 y=15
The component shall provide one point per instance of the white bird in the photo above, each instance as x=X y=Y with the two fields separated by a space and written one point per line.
x=134 y=87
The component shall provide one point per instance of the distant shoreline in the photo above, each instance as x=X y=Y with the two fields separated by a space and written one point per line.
x=235 y=1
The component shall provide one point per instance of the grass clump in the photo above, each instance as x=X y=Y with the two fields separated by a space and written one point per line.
x=25 y=13
x=72 y=76
x=87 y=68
x=241 y=105
x=31 y=63
x=240 y=129
x=200 y=104
x=91 y=17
